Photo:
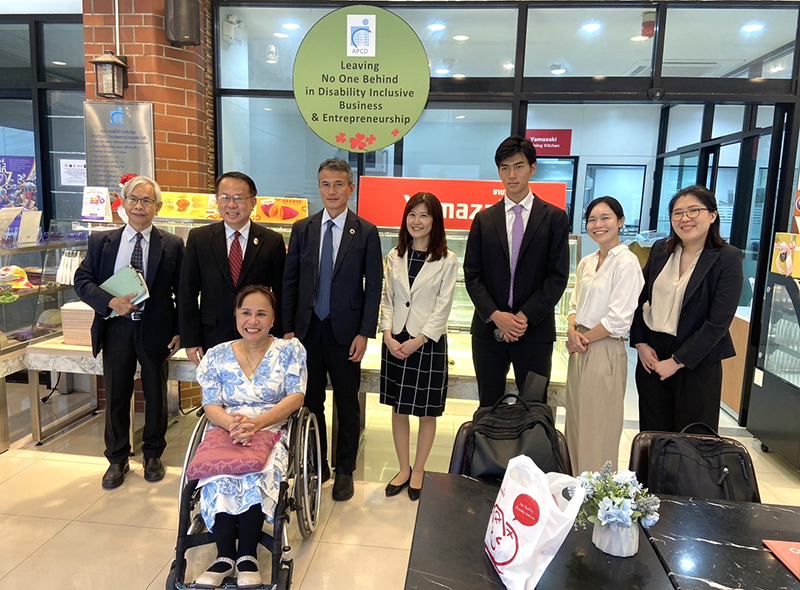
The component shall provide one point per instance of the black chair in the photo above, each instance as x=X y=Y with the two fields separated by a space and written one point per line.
x=459 y=455
x=640 y=455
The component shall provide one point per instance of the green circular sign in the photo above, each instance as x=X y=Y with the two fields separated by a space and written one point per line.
x=361 y=78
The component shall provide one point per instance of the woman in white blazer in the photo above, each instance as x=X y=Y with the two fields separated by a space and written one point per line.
x=420 y=277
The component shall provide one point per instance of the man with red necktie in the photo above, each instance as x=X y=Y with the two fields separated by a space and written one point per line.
x=222 y=258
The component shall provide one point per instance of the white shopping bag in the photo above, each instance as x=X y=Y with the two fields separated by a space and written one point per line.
x=530 y=519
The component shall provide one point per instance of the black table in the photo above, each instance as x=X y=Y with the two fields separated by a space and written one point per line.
x=447 y=549
x=719 y=545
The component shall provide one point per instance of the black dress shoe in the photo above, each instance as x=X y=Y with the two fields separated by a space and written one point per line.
x=343 y=487
x=115 y=475
x=393 y=490
x=326 y=472
x=154 y=469
x=413 y=493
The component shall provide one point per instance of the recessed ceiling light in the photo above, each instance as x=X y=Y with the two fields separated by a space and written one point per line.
x=752 y=27
x=508 y=66
x=557 y=70
x=280 y=35
x=436 y=27
x=441 y=71
x=639 y=38
x=290 y=26
x=776 y=69
x=461 y=116
x=459 y=76
x=267 y=109
x=59 y=63
x=460 y=38
x=592 y=27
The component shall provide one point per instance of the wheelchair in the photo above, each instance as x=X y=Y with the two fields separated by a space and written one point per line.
x=299 y=493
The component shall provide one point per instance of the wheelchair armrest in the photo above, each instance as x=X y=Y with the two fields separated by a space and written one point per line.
x=200 y=413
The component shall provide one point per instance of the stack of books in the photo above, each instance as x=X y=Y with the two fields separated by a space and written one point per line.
x=76 y=323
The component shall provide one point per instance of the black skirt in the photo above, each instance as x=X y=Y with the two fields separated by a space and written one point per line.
x=416 y=385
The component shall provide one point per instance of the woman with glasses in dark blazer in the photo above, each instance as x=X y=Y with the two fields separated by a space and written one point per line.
x=693 y=281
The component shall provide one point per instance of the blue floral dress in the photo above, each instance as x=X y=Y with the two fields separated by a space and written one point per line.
x=282 y=371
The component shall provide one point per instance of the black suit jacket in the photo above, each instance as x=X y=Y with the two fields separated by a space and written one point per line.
x=206 y=273
x=709 y=304
x=356 y=281
x=542 y=269
x=160 y=316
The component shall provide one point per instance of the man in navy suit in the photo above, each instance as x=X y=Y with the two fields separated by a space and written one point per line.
x=516 y=268
x=331 y=298
x=221 y=259
x=147 y=333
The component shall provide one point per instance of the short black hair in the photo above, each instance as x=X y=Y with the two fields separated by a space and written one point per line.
x=511 y=146
x=249 y=290
x=612 y=203
x=251 y=185
x=337 y=165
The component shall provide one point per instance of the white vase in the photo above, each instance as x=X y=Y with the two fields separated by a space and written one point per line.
x=624 y=542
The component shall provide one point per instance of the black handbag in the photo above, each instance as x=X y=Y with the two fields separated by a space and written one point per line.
x=505 y=431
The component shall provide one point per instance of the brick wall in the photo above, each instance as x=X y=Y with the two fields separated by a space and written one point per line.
x=191 y=394
x=178 y=81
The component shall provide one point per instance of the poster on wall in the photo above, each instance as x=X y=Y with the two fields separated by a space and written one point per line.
x=18 y=182
x=361 y=78
x=119 y=140
x=382 y=199
x=786 y=255
x=72 y=172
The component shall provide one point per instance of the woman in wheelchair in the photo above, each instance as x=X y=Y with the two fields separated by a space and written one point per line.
x=248 y=385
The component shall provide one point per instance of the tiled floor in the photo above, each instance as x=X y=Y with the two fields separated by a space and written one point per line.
x=59 y=529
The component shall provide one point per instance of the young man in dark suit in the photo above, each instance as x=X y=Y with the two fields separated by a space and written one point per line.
x=331 y=298
x=147 y=333
x=222 y=258
x=516 y=268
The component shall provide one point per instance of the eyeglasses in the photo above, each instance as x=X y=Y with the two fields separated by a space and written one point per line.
x=238 y=199
x=690 y=213
x=146 y=202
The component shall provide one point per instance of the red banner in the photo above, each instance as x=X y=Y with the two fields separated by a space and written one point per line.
x=551 y=142
x=382 y=199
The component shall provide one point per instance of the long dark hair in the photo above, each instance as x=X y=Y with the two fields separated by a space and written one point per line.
x=437 y=244
x=706 y=197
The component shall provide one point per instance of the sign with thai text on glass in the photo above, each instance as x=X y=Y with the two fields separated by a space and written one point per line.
x=361 y=78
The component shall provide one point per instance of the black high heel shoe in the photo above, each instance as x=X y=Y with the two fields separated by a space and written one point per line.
x=392 y=490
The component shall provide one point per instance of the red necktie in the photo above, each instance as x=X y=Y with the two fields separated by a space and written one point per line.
x=235 y=258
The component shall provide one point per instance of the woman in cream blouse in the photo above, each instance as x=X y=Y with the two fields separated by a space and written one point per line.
x=693 y=281
x=601 y=310
x=420 y=278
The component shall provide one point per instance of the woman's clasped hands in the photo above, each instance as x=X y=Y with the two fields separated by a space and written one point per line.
x=242 y=429
x=576 y=342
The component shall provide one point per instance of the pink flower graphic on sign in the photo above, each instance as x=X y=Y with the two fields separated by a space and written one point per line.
x=358 y=142
x=396 y=132
x=341 y=138
x=371 y=139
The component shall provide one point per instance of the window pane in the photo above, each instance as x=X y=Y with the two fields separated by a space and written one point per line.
x=488 y=49
x=63 y=52
x=558 y=170
x=15 y=48
x=588 y=41
x=67 y=151
x=268 y=139
x=756 y=216
x=729 y=43
x=725 y=191
x=727 y=119
x=685 y=126
x=624 y=183
x=456 y=141
x=764 y=115
x=18 y=179
x=257 y=46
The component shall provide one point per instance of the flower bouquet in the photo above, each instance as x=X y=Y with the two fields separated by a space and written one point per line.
x=613 y=503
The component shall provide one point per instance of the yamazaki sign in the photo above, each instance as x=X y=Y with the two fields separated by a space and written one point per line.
x=551 y=142
x=382 y=200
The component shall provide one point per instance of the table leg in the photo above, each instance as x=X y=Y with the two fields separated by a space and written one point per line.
x=5 y=443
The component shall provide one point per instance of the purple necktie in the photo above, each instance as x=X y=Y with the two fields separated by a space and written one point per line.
x=517 y=231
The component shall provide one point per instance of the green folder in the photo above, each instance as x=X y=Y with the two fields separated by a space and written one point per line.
x=125 y=281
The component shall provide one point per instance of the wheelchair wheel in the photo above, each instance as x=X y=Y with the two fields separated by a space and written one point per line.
x=308 y=474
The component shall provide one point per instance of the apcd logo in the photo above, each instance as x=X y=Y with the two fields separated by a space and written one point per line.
x=361 y=35
x=117 y=117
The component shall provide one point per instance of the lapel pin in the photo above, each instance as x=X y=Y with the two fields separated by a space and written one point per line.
x=352 y=231
x=255 y=241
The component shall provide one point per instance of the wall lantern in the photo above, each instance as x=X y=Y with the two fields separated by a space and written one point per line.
x=110 y=75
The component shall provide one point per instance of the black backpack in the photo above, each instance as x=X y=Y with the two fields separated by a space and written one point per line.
x=700 y=466
x=505 y=431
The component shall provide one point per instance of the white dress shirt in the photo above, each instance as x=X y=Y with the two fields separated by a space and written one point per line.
x=244 y=234
x=126 y=245
x=663 y=312
x=338 y=230
x=608 y=295
x=526 y=203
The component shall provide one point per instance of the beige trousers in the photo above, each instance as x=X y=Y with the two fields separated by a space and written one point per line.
x=595 y=404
